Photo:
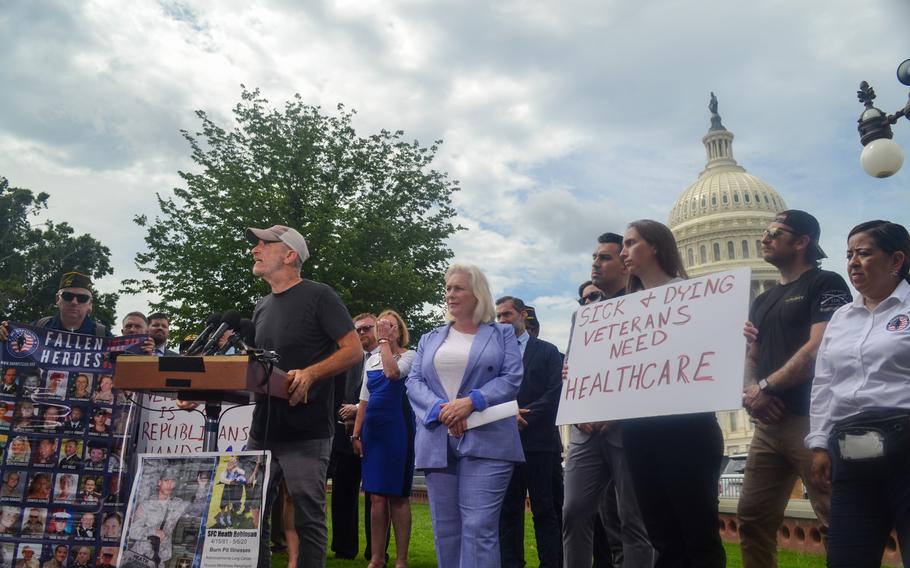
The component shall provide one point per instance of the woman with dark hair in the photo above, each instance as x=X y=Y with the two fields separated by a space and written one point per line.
x=674 y=460
x=384 y=437
x=860 y=413
x=39 y=489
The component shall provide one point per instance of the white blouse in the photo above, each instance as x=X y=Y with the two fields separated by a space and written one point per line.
x=451 y=360
x=374 y=363
x=863 y=363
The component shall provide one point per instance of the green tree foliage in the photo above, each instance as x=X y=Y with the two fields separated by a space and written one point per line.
x=32 y=258
x=373 y=211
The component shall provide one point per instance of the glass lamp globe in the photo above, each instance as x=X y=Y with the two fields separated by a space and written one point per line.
x=881 y=158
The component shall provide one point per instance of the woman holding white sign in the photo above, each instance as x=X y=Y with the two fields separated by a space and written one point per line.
x=860 y=412
x=674 y=460
x=468 y=365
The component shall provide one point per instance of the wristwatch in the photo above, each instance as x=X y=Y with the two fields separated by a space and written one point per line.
x=355 y=437
x=765 y=386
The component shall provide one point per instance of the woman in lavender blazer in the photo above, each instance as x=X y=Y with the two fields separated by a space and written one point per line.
x=465 y=366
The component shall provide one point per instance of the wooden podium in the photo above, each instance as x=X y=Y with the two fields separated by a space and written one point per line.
x=213 y=380
x=193 y=377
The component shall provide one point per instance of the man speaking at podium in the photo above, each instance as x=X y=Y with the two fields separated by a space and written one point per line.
x=309 y=327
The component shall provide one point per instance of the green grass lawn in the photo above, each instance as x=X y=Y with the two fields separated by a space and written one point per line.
x=423 y=555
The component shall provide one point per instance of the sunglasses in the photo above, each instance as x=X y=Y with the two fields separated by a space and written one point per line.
x=365 y=328
x=81 y=298
x=590 y=298
x=775 y=233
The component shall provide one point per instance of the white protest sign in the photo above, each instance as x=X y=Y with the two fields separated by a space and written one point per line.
x=674 y=349
x=165 y=429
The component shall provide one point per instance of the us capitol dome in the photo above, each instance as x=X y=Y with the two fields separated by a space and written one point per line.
x=719 y=219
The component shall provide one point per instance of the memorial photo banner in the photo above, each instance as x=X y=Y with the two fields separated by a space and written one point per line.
x=64 y=438
x=200 y=510
x=673 y=349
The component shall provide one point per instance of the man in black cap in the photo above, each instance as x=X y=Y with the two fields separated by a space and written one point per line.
x=784 y=332
x=309 y=327
x=74 y=302
x=532 y=324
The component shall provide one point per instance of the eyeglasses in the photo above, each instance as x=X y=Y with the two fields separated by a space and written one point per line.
x=81 y=298
x=591 y=298
x=775 y=233
x=365 y=328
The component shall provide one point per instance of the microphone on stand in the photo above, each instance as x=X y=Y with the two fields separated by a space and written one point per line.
x=200 y=340
x=230 y=320
x=236 y=338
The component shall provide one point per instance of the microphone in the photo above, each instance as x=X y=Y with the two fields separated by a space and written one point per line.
x=200 y=340
x=230 y=320
x=250 y=338
x=243 y=329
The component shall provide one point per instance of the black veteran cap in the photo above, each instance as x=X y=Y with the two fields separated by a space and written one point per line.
x=803 y=224
x=75 y=280
x=531 y=321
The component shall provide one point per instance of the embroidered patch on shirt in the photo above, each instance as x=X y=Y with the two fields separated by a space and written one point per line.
x=832 y=300
x=898 y=323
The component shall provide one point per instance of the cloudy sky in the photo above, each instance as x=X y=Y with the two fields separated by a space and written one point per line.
x=560 y=119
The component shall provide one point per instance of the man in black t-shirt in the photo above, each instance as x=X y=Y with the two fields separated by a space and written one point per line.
x=784 y=332
x=312 y=332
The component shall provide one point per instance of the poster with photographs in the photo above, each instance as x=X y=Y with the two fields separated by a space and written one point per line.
x=194 y=511
x=63 y=475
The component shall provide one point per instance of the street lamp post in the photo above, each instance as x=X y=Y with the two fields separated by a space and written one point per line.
x=881 y=156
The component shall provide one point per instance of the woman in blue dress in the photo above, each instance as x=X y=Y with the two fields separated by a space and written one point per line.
x=384 y=438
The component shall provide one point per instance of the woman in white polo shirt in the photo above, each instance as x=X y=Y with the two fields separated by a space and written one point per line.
x=860 y=413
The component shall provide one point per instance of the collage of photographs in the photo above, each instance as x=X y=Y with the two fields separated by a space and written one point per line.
x=63 y=486
x=177 y=498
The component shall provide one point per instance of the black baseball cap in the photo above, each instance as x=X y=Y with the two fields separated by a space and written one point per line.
x=803 y=223
x=531 y=321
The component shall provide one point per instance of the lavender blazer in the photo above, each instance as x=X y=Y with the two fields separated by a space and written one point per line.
x=494 y=373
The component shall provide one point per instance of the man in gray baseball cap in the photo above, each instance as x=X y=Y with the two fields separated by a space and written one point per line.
x=310 y=328
x=280 y=233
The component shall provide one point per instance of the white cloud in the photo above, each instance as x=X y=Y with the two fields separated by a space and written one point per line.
x=560 y=120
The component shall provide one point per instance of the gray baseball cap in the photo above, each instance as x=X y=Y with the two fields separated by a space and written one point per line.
x=276 y=233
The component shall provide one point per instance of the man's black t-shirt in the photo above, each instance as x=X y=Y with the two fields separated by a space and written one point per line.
x=302 y=325
x=784 y=315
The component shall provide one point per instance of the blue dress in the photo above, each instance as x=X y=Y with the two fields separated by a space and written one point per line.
x=387 y=434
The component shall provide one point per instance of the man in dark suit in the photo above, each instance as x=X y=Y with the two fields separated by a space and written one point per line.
x=540 y=477
x=159 y=328
x=344 y=465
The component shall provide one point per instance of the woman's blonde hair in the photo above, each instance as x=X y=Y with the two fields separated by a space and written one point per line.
x=484 y=312
x=403 y=336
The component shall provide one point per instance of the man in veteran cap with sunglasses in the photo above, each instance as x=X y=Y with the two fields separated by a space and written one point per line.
x=74 y=304
x=784 y=331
